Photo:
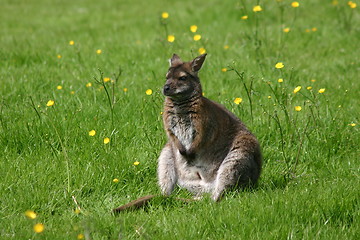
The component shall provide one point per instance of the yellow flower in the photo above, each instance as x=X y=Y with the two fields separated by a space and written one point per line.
x=39 y=228
x=202 y=50
x=80 y=236
x=30 y=214
x=59 y=56
x=352 y=124
x=77 y=211
x=50 y=103
x=352 y=5
x=313 y=80
x=193 y=28
x=171 y=38
x=269 y=97
x=295 y=4
x=72 y=92
x=224 y=69
x=298 y=88
x=106 y=140
x=92 y=133
x=280 y=80
x=106 y=79
x=298 y=108
x=257 y=8
x=309 y=88
x=279 y=65
x=244 y=17
x=115 y=180
x=148 y=92
x=125 y=89
x=321 y=90
x=307 y=30
x=314 y=29
x=88 y=84
x=98 y=51
x=59 y=87
x=71 y=42
x=335 y=2
x=226 y=47
x=165 y=15
x=136 y=163
x=197 y=37
x=286 y=30
x=238 y=100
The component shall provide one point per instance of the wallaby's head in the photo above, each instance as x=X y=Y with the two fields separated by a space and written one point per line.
x=182 y=81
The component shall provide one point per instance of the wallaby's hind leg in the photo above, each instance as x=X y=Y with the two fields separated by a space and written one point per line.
x=166 y=170
x=241 y=167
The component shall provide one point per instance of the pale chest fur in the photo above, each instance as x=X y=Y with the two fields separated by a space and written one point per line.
x=182 y=127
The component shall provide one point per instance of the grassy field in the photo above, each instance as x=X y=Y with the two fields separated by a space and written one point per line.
x=70 y=67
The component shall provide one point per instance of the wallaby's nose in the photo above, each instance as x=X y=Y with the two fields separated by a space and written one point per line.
x=166 y=89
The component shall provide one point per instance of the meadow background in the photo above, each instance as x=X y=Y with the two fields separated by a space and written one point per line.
x=76 y=141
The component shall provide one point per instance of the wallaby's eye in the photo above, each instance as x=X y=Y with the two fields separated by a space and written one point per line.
x=182 y=78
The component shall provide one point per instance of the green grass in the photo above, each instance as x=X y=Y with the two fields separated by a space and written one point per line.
x=309 y=188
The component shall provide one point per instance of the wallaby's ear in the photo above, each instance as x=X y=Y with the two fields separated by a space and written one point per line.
x=198 y=62
x=175 y=60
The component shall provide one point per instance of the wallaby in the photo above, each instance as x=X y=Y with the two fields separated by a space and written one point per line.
x=209 y=150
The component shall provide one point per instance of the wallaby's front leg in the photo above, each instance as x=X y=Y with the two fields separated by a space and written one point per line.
x=167 y=176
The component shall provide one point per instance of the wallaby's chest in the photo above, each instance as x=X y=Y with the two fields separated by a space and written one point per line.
x=182 y=127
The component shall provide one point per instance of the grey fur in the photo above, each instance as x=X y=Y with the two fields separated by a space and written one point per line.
x=209 y=149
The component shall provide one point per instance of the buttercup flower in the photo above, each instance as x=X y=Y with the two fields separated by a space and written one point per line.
x=92 y=133
x=39 y=228
x=280 y=80
x=309 y=88
x=106 y=79
x=115 y=180
x=197 y=37
x=244 y=17
x=171 y=38
x=148 y=92
x=295 y=4
x=71 y=42
x=80 y=236
x=352 y=124
x=59 y=56
x=279 y=65
x=59 y=87
x=224 y=69
x=106 y=140
x=165 y=15
x=238 y=100
x=193 y=28
x=50 y=103
x=298 y=88
x=321 y=90
x=30 y=214
x=298 y=108
x=202 y=50
x=136 y=163
x=98 y=51
x=286 y=30
x=88 y=84
x=257 y=8
x=125 y=89
x=226 y=47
